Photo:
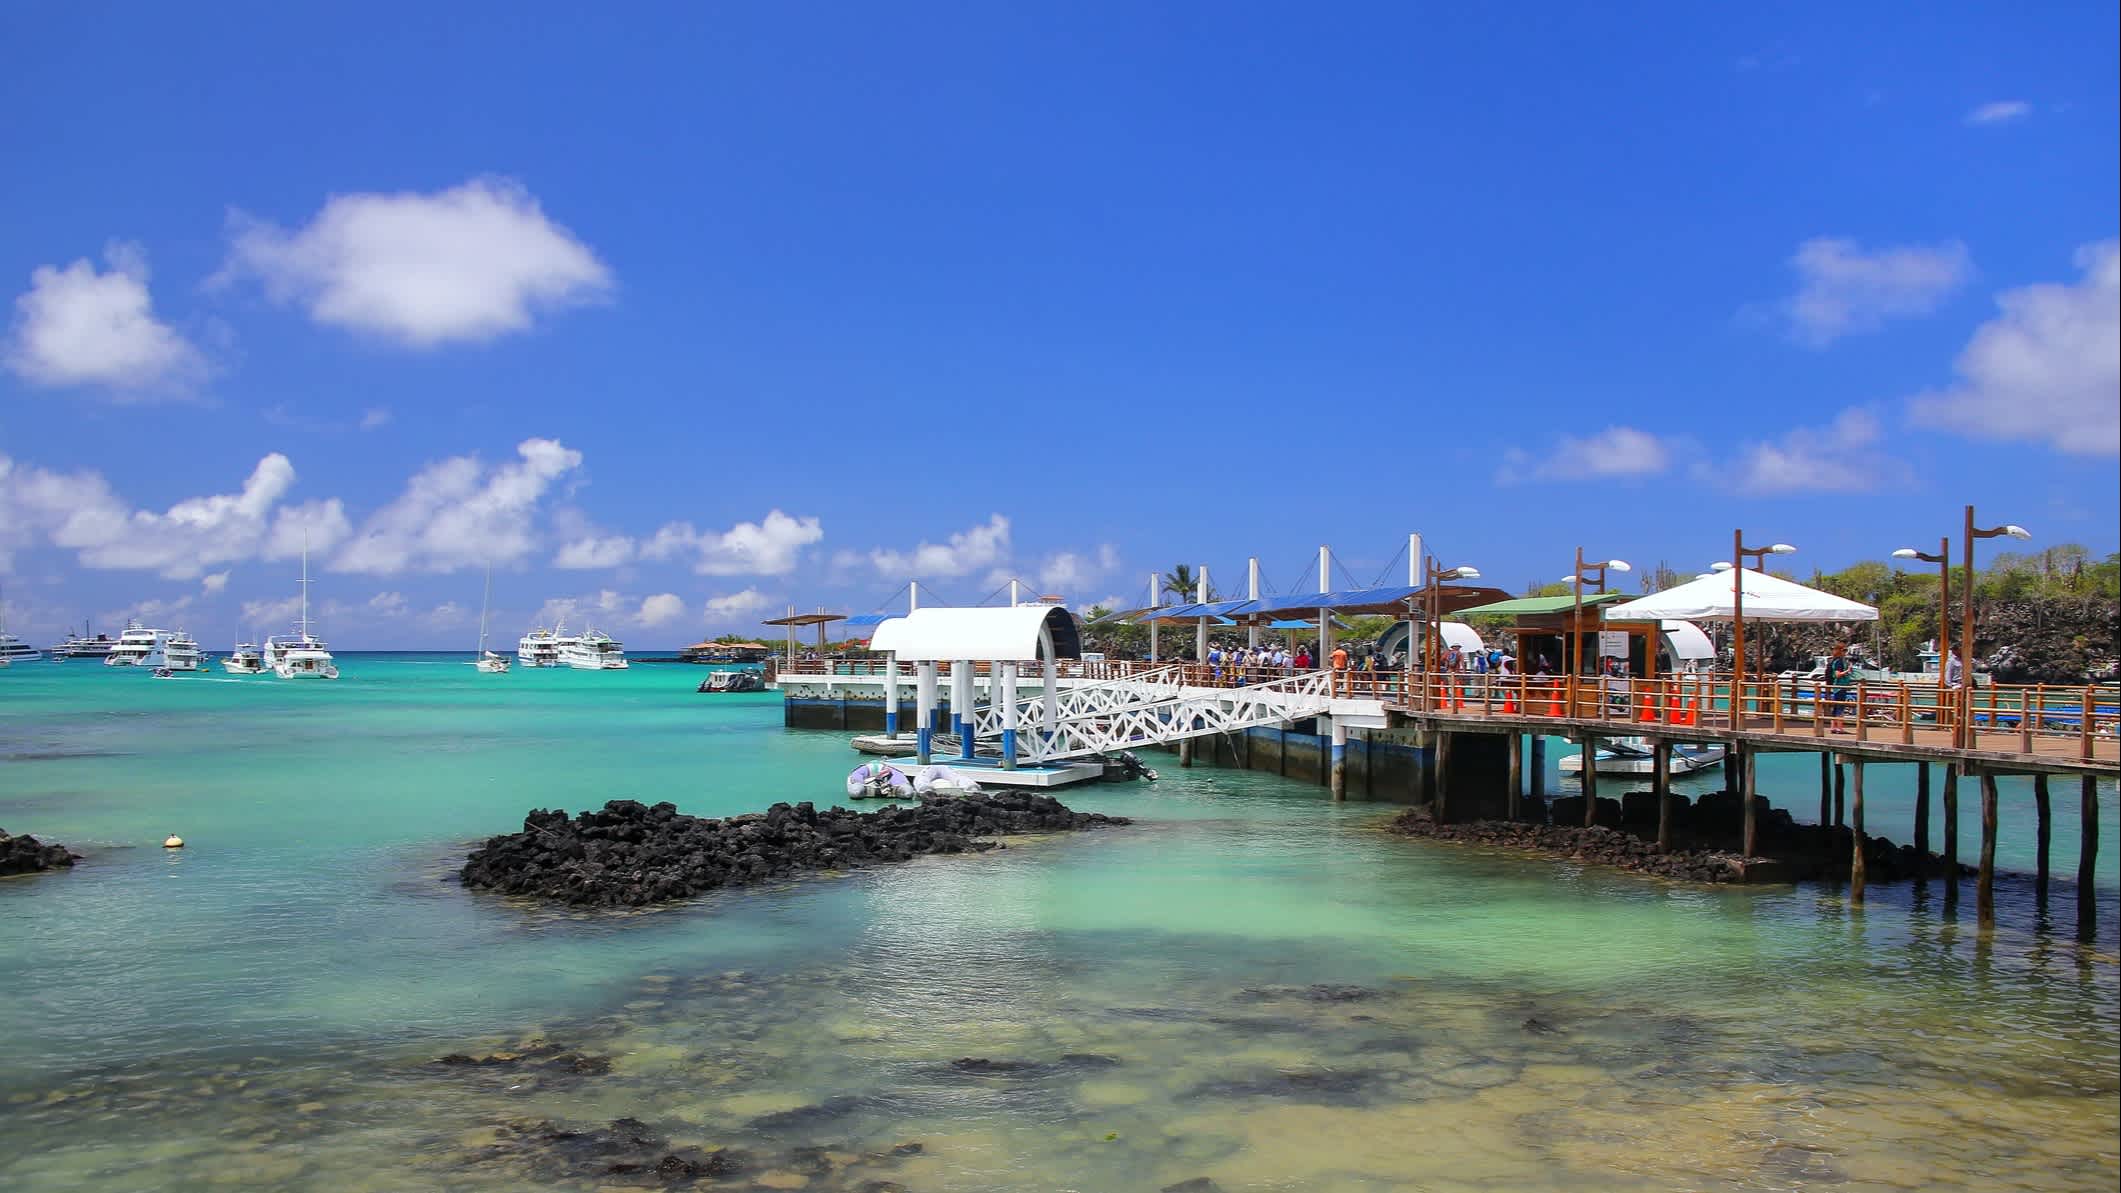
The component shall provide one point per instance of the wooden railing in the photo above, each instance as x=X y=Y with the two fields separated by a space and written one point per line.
x=2003 y=717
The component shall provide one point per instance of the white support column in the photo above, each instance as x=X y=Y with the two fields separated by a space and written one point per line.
x=1414 y=580
x=1049 y=676
x=891 y=695
x=924 y=709
x=1009 y=716
x=961 y=712
x=1252 y=594
x=1014 y=598
x=1325 y=616
x=913 y=596
x=1200 y=634
x=1155 y=599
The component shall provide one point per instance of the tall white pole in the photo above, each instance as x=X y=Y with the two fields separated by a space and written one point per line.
x=1200 y=636
x=1413 y=581
x=1155 y=599
x=1252 y=594
x=913 y=596
x=924 y=709
x=961 y=702
x=1014 y=599
x=1049 y=676
x=891 y=695
x=1325 y=615
x=1009 y=716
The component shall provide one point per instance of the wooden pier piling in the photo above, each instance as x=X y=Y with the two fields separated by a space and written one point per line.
x=1922 y=812
x=1841 y=785
x=1443 y=778
x=2087 y=853
x=1661 y=783
x=1539 y=765
x=1985 y=889
x=1516 y=787
x=1951 y=829
x=1590 y=780
x=1746 y=794
x=1826 y=788
x=1856 y=864
x=2044 y=830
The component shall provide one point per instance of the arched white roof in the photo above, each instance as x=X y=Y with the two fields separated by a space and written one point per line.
x=1689 y=644
x=1009 y=635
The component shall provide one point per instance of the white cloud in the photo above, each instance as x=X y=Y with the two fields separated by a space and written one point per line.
x=78 y=326
x=966 y=551
x=2047 y=368
x=267 y=616
x=160 y=614
x=1839 y=458
x=317 y=526
x=1070 y=571
x=387 y=604
x=734 y=606
x=1612 y=453
x=469 y=263
x=445 y=615
x=1843 y=290
x=594 y=552
x=458 y=513
x=2002 y=111
x=660 y=609
x=768 y=547
x=375 y=417
x=80 y=513
x=213 y=584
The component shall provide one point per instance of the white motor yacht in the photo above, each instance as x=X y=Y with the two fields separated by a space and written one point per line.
x=132 y=647
x=1632 y=756
x=175 y=651
x=593 y=651
x=541 y=647
x=246 y=659
x=488 y=662
x=302 y=654
x=12 y=649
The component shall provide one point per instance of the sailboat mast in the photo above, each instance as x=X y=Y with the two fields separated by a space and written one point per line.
x=305 y=586
x=485 y=600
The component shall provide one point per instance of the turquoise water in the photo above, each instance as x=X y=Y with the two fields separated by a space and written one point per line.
x=1277 y=995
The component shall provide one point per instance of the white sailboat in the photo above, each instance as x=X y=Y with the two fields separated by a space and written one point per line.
x=487 y=661
x=301 y=656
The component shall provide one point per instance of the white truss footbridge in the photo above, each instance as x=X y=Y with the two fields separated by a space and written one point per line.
x=1150 y=709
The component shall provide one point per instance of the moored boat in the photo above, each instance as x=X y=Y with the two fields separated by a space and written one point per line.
x=594 y=650
x=1633 y=756
x=133 y=646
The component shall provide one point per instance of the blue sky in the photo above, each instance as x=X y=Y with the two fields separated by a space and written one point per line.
x=734 y=307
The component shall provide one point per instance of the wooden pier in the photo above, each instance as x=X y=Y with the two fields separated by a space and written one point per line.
x=2042 y=731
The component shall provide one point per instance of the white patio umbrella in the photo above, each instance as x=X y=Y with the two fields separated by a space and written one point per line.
x=1767 y=598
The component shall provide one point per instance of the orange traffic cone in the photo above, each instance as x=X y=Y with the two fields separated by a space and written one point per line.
x=1554 y=709
x=1509 y=703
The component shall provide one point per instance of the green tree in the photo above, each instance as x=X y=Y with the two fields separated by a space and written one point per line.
x=1181 y=583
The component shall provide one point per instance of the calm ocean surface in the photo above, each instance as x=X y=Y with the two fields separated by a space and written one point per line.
x=1251 y=985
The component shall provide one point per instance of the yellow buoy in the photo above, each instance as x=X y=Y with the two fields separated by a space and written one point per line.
x=173 y=841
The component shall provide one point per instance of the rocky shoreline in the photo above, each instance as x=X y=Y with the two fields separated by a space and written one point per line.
x=629 y=854
x=25 y=854
x=1705 y=841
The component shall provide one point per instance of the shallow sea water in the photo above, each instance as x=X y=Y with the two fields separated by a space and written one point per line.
x=1250 y=985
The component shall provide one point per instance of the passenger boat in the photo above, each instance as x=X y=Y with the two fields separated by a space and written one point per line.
x=594 y=650
x=175 y=652
x=301 y=655
x=739 y=680
x=541 y=647
x=1633 y=756
x=133 y=646
x=82 y=646
x=12 y=649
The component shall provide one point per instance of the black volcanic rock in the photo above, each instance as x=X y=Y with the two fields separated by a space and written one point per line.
x=629 y=854
x=27 y=855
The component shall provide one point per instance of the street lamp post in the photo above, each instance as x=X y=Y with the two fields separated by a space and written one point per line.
x=1432 y=603
x=1575 y=580
x=1736 y=567
x=1943 y=560
x=1965 y=737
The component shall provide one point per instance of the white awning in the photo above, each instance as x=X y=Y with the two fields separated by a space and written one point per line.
x=1458 y=634
x=1689 y=644
x=1006 y=635
x=1767 y=598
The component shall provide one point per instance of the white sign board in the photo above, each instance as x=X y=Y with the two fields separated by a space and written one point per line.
x=1612 y=644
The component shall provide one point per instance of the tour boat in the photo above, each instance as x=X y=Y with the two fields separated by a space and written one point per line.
x=246 y=659
x=12 y=649
x=82 y=646
x=175 y=651
x=301 y=655
x=487 y=661
x=1632 y=756
x=541 y=647
x=740 y=680
x=594 y=650
x=132 y=647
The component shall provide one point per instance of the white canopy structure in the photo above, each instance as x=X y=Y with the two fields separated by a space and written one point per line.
x=1688 y=643
x=1767 y=598
x=947 y=635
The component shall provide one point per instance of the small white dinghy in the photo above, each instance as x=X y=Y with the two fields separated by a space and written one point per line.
x=1632 y=756
x=941 y=780
x=878 y=780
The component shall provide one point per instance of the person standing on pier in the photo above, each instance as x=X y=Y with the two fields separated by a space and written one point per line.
x=1838 y=671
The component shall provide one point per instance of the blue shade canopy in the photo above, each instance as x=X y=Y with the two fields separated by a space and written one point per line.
x=865 y=620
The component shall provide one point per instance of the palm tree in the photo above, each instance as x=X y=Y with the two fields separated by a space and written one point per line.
x=1181 y=582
